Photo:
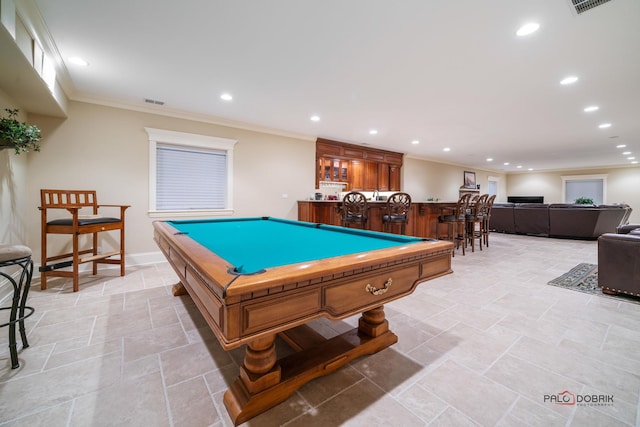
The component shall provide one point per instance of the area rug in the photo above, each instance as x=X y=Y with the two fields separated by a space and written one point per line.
x=584 y=278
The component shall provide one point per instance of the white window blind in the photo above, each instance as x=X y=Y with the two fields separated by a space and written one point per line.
x=190 y=178
x=190 y=175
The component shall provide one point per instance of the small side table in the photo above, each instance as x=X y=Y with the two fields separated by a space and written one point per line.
x=19 y=255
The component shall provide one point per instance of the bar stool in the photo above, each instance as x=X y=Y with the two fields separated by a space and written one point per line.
x=18 y=255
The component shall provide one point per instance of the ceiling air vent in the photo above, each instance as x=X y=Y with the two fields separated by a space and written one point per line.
x=581 y=6
x=153 y=101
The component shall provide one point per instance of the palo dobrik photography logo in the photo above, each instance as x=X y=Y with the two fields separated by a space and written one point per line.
x=565 y=397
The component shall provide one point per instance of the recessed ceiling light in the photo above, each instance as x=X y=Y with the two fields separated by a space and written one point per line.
x=527 y=29
x=626 y=153
x=489 y=159
x=631 y=158
x=315 y=118
x=621 y=146
x=519 y=166
x=605 y=125
x=568 y=80
x=591 y=108
x=530 y=169
x=506 y=163
x=415 y=142
x=75 y=60
x=446 y=149
x=226 y=97
x=373 y=132
x=634 y=162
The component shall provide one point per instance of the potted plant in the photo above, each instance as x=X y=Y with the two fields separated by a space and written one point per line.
x=583 y=201
x=18 y=135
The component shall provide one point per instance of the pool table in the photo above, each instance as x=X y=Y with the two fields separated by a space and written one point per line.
x=255 y=278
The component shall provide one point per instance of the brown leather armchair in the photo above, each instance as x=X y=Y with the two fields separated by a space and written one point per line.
x=619 y=263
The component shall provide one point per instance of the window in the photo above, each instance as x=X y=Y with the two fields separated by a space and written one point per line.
x=589 y=186
x=189 y=175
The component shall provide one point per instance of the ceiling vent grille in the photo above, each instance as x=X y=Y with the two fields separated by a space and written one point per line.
x=153 y=101
x=581 y=6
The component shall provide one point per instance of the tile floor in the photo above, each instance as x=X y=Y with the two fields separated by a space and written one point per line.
x=482 y=346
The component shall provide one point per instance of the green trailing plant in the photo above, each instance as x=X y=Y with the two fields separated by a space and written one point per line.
x=583 y=201
x=18 y=135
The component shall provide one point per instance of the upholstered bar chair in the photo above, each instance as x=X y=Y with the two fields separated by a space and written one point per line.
x=354 y=209
x=397 y=211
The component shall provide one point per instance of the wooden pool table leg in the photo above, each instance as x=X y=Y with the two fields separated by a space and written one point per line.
x=179 y=289
x=265 y=381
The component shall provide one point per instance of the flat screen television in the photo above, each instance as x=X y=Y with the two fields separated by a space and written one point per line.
x=525 y=199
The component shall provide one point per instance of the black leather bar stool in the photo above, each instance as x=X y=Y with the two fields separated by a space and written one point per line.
x=17 y=255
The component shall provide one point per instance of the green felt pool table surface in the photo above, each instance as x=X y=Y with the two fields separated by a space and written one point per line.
x=254 y=244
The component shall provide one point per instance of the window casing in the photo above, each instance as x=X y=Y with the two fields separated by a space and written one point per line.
x=189 y=175
x=590 y=186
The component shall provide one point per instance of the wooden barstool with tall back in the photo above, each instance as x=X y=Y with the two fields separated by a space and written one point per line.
x=354 y=209
x=487 y=219
x=454 y=218
x=397 y=211
x=474 y=220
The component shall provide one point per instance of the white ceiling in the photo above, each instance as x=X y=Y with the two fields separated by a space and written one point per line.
x=447 y=73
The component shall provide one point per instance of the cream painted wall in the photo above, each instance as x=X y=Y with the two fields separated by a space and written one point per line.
x=424 y=179
x=622 y=185
x=107 y=149
x=13 y=188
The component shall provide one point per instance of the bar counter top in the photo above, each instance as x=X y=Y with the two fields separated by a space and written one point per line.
x=423 y=217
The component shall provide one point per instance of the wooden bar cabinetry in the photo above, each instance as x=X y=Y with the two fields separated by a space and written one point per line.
x=360 y=168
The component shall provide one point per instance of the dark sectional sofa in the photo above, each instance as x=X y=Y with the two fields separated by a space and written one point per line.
x=558 y=220
x=619 y=261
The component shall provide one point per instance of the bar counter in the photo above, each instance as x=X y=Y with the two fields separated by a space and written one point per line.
x=423 y=217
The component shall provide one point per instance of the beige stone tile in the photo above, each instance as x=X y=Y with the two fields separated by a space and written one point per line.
x=82 y=353
x=361 y=404
x=607 y=379
x=145 y=343
x=473 y=348
x=478 y=397
x=73 y=329
x=452 y=417
x=67 y=314
x=590 y=417
x=323 y=388
x=191 y=404
x=141 y=367
x=163 y=316
x=409 y=337
x=32 y=360
x=185 y=362
x=529 y=413
x=389 y=369
x=221 y=379
x=623 y=340
x=532 y=381
x=422 y=403
x=616 y=358
x=59 y=385
x=204 y=334
x=540 y=329
x=618 y=409
x=48 y=417
x=126 y=403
